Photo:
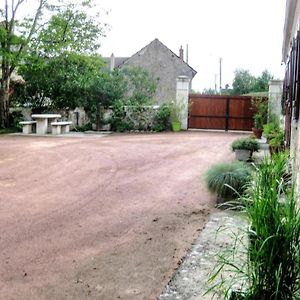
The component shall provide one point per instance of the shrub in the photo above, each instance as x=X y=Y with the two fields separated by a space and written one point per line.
x=228 y=179
x=118 y=120
x=245 y=144
x=260 y=106
x=162 y=118
x=14 y=118
x=272 y=127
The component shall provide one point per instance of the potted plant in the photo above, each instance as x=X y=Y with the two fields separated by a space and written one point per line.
x=276 y=142
x=271 y=128
x=244 y=148
x=176 y=109
x=258 y=126
x=260 y=106
x=227 y=180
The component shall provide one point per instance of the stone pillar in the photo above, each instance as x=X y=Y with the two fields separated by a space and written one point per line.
x=112 y=62
x=182 y=98
x=275 y=96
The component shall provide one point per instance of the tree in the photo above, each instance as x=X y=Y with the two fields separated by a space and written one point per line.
x=243 y=82
x=70 y=29
x=262 y=82
x=69 y=80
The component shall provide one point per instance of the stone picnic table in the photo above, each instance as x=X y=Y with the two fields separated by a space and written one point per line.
x=43 y=122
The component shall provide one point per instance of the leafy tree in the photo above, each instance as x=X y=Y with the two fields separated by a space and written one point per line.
x=68 y=80
x=243 y=82
x=70 y=29
x=262 y=82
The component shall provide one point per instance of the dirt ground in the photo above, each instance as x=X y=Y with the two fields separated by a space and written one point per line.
x=101 y=218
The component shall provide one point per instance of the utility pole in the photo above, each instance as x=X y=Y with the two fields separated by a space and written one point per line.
x=216 y=83
x=220 y=75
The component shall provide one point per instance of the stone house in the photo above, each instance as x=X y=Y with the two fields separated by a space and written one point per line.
x=163 y=65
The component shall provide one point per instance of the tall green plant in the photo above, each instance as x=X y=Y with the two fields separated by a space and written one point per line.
x=270 y=268
x=274 y=253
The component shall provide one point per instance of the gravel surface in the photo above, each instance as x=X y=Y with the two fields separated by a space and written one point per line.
x=101 y=218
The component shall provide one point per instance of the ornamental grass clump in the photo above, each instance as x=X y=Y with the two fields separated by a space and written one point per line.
x=268 y=267
x=274 y=245
x=228 y=180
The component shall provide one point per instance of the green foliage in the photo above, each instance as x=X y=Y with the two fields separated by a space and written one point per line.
x=272 y=127
x=83 y=128
x=71 y=28
x=274 y=252
x=261 y=83
x=16 y=117
x=7 y=130
x=244 y=82
x=135 y=89
x=68 y=80
x=228 y=179
x=260 y=106
x=162 y=118
x=45 y=36
x=245 y=144
x=176 y=110
x=277 y=139
x=269 y=267
x=140 y=87
x=118 y=117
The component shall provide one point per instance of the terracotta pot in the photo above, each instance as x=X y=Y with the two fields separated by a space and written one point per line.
x=257 y=132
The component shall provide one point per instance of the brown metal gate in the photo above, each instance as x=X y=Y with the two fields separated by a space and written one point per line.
x=220 y=112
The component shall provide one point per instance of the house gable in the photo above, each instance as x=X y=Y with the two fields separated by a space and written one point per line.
x=163 y=65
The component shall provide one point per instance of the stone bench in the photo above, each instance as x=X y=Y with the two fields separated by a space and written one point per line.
x=27 y=126
x=60 y=127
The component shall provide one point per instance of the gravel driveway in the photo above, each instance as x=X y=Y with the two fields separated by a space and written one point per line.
x=101 y=218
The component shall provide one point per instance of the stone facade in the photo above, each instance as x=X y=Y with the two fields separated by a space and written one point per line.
x=163 y=65
x=291 y=25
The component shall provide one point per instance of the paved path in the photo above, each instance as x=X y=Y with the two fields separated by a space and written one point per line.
x=101 y=218
x=218 y=238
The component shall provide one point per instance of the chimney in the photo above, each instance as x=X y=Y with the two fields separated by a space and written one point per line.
x=181 y=52
x=112 y=62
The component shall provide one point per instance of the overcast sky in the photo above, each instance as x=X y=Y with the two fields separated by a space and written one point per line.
x=245 y=33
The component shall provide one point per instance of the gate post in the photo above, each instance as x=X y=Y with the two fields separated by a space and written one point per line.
x=275 y=96
x=182 y=98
